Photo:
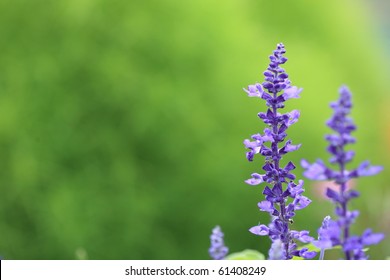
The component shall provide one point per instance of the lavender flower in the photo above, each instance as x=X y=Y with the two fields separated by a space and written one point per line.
x=280 y=186
x=217 y=250
x=333 y=233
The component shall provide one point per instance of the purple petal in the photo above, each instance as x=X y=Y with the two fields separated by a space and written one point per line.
x=339 y=211
x=282 y=128
x=352 y=243
x=329 y=230
x=315 y=171
x=266 y=96
x=334 y=139
x=295 y=189
x=333 y=195
x=333 y=230
x=369 y=238
x=270 y=114
x=325 y=222
x=280 y=86
x=277 y=189
x=366 y=170
x=280 y=226
x=351 y=194
x=348 y=156
x=301 y=202
x=290 y=148
x=257 y=137
x=259 y=230
x=352 y=214
x=268 y=135
x=267 y=167
x=305 y=237
x=323 y=244
x=251 y=144
x=290 y=166
x=265 y=151
x=267 y=191
x=305 y=164
x=306 y=254
x=268 y=85
x=266 y=206
x=283 y=76
x=291 y=92
x=255 y=180
x=254 y=90
x=349 y=218
x=250 y=155
x=286 y=193
x=294 y=234
x=293 y=117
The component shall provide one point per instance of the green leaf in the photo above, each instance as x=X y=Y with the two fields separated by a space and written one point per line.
x=246 y=255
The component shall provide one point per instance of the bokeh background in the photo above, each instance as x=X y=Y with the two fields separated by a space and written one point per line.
x=121 y=122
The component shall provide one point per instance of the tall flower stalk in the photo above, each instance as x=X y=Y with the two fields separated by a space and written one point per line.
x=217 y=250
x=337 y=232
x=282 y=195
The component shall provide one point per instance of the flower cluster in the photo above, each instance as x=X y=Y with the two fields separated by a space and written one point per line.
x=280 y=187
x=283 y=197
x=217 y=250
x=337 y=232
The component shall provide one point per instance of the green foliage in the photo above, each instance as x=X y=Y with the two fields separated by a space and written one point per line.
x=246 y=255
x=121 y=122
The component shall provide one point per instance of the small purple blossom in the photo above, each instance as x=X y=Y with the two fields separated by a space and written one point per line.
x=255 y=180
x=305 y=253
x=259 y=230
x=217 y=250
x=266 y=206
x=282 y=196
x=302 y=236
x=337 y=232
x=291 y=92
x=328 y=234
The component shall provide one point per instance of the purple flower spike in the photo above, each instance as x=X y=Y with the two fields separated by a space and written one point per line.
x=282 y=196
x=217 y=250
x=333 y=233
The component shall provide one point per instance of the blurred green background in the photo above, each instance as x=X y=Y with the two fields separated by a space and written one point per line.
x=121 y=122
